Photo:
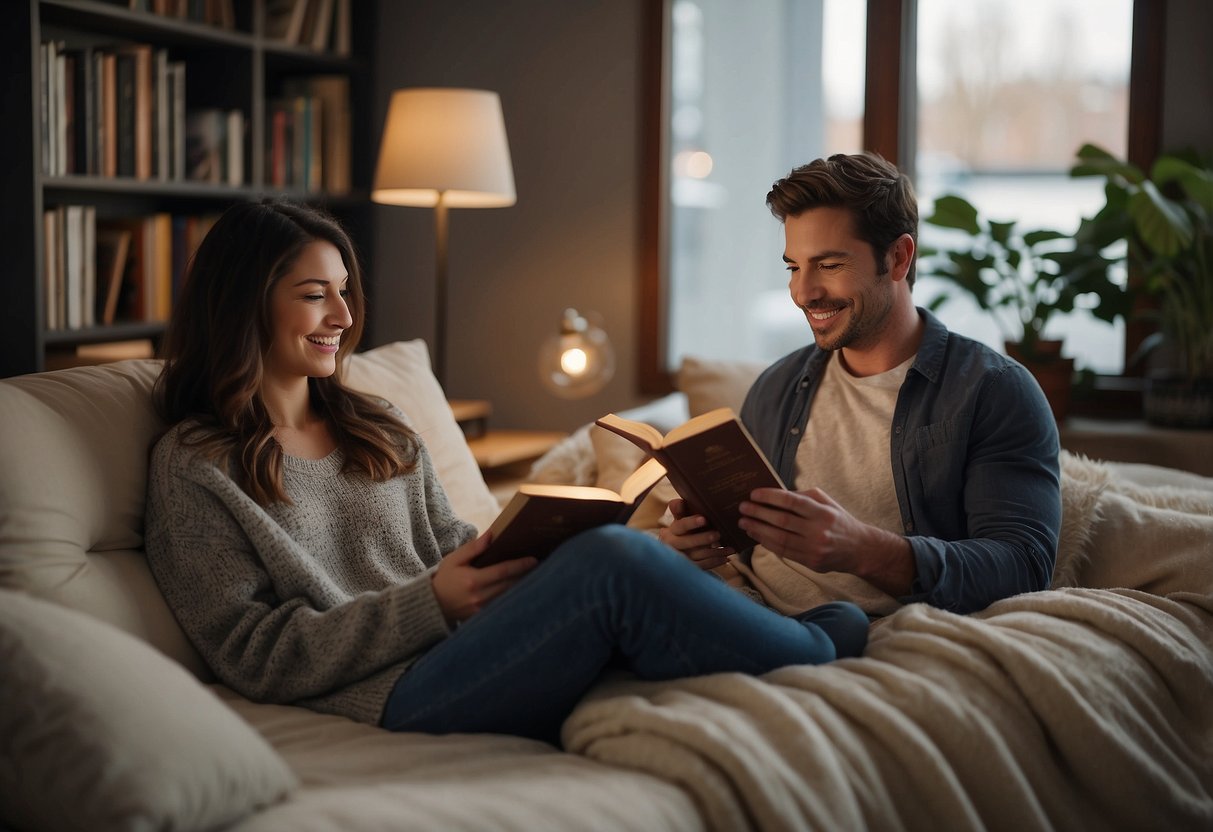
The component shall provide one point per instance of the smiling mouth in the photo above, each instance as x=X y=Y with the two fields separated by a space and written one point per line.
x=822 y=314
x=325 y=341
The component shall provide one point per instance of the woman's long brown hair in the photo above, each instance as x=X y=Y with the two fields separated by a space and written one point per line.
x=220 y=331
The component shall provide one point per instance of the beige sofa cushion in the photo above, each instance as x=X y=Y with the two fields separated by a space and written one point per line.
x=711 y=383
x=102 y=732
x=73 y=471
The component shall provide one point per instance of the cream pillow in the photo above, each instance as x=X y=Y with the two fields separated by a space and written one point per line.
x=710 y=383
x=400 y=372
x=100 y=731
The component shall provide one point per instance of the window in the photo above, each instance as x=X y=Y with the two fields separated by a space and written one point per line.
x=785 y=81
x=1005 y=96
x=754 y=89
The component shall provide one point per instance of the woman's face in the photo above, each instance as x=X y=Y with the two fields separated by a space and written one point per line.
x=308 y=314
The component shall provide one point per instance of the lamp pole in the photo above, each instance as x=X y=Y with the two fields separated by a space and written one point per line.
x=440 y=247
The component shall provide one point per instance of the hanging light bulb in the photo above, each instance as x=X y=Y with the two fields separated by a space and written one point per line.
x=579 y=360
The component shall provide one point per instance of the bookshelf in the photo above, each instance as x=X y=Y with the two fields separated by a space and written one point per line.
x=238 y=70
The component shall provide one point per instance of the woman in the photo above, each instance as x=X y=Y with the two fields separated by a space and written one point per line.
x=302 y=540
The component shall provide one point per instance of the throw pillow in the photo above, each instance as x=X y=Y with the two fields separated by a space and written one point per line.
x=710 y=383
x=400 y=372
x=102 y=732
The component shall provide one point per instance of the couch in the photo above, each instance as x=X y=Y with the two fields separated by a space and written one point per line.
x=1087 y=706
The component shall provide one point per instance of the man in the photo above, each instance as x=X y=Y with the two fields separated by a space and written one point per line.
x=922 y=465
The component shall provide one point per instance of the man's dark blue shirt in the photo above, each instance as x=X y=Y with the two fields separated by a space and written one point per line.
x=974 y=450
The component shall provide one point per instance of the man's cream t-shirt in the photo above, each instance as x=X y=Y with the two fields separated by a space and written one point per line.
x=845 y=452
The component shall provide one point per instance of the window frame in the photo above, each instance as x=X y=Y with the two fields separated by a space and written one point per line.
x=889 y=129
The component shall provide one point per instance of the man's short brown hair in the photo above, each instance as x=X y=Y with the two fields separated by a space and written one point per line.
x=878 y=195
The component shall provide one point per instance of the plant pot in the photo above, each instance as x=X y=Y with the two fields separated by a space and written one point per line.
x=1054 y=374
x=1176 y=401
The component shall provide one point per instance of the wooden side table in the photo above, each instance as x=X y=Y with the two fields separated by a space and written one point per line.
x=505 y=456
x=472 y=415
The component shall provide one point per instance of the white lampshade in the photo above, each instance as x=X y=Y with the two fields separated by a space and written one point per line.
x=444 y=141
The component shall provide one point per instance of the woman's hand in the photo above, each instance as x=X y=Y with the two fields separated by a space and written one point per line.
x=462 y=590
x=690 y=536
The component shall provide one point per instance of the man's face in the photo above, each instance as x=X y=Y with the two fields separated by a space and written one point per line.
x=833 y=278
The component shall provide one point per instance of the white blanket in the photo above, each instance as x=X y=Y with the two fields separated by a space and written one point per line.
x=1086 y=707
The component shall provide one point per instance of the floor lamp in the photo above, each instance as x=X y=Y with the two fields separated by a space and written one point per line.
x=444 y=148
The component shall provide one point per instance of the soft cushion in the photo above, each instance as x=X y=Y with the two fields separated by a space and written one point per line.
x=709 y=384
x=400 y=372
x=73 y=457
x=99 y=731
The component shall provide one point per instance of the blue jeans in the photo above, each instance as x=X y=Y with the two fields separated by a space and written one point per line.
x=607 y=597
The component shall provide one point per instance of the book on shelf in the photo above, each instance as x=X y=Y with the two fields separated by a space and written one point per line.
x=85 y=355
x=111 y=111
x=108 y=136
x=52 y=278
x=712 y=462
x=328 y=119
x=69 y=266
x=284 y=20
x=176 y=121
x=539 y=517
x=295 y=143
x=214 y=146
x=221 y=13
x=322 y=25
x=113 y=246
x=135 y=103
x=341 y=28
x=73 y=268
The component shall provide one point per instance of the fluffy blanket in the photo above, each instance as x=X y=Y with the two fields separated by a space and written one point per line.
x=1089 y=706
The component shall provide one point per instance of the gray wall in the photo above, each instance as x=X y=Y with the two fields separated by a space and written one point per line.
x=568 y=73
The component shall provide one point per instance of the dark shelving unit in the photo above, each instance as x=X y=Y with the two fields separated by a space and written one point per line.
x=240 y=68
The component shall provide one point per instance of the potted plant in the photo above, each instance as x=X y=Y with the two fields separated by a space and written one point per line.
x=1033 y=274
x=1167 y=221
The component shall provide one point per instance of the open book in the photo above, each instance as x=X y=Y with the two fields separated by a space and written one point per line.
x=540 y=517
x=712 y=462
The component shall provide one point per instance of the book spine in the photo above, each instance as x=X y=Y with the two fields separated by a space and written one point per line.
x=69 y=112
x=44 y=109
x=161 y=116
x=59 y=137
x=125 y=111
x=178 y=121
x=86 y=124
x=73 y=270
x=89 y=265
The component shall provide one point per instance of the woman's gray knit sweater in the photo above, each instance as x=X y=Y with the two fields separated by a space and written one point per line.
x=322 y=603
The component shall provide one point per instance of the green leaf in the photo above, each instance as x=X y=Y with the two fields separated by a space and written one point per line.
x=1035 y=238
x=1197 y=183
x=952 y=211
x=1095 y=161
x=1001 y=232
x=1165 y=227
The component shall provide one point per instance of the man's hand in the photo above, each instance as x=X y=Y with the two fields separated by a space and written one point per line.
x=690 y=535
x=809 y=527
x=462 y=590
